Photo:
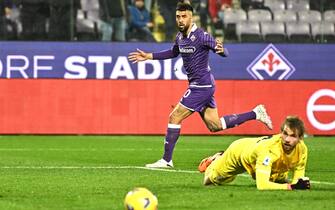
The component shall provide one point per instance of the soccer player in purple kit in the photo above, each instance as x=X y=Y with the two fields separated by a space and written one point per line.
x=194 y=45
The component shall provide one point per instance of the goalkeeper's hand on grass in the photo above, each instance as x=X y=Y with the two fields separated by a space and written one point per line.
x=302 y=184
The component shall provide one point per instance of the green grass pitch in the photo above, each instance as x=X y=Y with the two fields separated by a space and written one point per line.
x=95 y=172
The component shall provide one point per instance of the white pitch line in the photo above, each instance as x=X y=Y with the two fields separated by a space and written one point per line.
x=129 y=167
x=93 y=149
x=98 y=167
x=325 y=183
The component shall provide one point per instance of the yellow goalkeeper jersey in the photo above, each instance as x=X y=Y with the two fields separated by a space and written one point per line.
x=265 y=159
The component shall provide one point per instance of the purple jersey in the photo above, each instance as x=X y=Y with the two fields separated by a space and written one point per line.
x=194 y=50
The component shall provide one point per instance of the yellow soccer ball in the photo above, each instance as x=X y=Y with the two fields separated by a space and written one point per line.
x=140 y=199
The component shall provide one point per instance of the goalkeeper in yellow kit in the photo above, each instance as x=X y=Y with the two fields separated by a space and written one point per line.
x=267 y=159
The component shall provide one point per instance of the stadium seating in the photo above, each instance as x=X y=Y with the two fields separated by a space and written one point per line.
x=329 y=16
x=86 y=26
x=323 y=32
x=297 y=5
x=284 y=15
x=309 y=16
x=271 y=23
x=88 y=21
x=275 y=4
x=88 y=5
x=234 y=16
x=273 y=31
x=81 y=14
x=93 y=15
x=298 y=32
x=258 y=15
x=231 y=18
x=248 y=31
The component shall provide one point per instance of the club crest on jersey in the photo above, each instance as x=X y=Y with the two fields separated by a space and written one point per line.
x=271 y=64
x=266 y=161
x=192 y=38
x=188 y=49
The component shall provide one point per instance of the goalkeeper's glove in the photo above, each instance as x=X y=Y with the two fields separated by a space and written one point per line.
x=302 y=184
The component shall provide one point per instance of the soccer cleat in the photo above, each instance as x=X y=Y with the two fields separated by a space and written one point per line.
x=160 y=164
x=262 y=116
x=204 y=164
x=207 y=161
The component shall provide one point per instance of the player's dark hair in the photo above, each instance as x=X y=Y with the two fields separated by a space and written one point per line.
x=184 y=7
x=295 y=124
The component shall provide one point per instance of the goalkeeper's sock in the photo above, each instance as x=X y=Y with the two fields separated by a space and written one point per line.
x=171 y=138
x=230 y=121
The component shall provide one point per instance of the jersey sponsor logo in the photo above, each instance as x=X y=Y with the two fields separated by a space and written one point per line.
x=271 y=64
x=189 y=49
x=266 y=161
x=313 y=107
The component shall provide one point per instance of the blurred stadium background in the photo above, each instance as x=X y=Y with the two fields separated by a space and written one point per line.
x=310 y=21
x=64 y=71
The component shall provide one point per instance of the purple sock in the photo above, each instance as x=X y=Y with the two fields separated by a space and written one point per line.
x=171 y=138
x=237 y=119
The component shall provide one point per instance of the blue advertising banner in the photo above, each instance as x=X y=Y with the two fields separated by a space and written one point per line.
x=97 y=60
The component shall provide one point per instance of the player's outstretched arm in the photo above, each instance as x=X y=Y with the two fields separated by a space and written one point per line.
x=263 y=179
x=139 y=55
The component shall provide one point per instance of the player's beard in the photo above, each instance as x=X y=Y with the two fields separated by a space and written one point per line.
x=287 y=147
x=183 y=28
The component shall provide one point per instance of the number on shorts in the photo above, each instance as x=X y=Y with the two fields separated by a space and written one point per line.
x=187 y=93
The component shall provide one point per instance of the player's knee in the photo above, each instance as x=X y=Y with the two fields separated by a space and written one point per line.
x=214 y=127
x=207 y=181
x=174 y=119
x=177 y=116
